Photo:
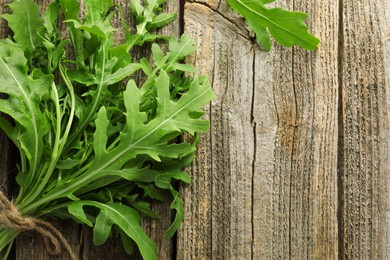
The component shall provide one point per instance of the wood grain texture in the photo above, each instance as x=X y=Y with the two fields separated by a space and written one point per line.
x=5 y=163
x=218 y=203
x=385 y=29
x=313 y=212
x=271 y=189
x=365 y=132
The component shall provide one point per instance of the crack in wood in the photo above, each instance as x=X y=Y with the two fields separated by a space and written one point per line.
x=242 y=30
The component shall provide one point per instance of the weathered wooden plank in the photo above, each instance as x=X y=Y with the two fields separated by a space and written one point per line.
x=275 y=119
x=385 y=29
x=364 y=132
x=271 y=189
x=218 y=203
x=4 y=162
x=295 y=190
x=313 y=208
x=30 y=245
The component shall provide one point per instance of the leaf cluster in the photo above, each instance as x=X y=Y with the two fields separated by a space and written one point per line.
x=95 y=145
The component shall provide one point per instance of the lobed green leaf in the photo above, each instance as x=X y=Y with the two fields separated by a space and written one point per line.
x=286 y=27
x=24 y=21
x=23 y=103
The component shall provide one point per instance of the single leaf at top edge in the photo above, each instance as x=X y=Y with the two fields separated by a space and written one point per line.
x=286 y=27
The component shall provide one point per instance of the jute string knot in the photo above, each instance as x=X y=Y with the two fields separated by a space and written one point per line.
x=10 y=217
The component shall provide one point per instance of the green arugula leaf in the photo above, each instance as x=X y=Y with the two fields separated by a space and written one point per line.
x=96 y=21
x=126 y=218
x=148 y=18
x=24 y=22
x=102 y=76
x=70 y=8
x=23 y=102
x=171 y=63
x=50 y=17
x=50 y=38
x=286 y=27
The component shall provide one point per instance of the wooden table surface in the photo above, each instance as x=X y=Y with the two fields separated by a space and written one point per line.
x=296 y=165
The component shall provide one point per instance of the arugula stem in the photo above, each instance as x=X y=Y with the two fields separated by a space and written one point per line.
x=9 y=247
x=23 y=162
x=7 y=237
x=47 y=211
x=72 y=109
x=59 y=142
x=92 y=109
x=23 y=170
x=56 y=151
x=133 y=43
x=80 y=171
x=143 y=31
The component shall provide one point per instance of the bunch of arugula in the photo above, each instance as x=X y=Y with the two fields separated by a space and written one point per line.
x=92 y=148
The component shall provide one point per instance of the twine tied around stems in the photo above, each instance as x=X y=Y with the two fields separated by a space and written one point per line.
x=10 y=217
